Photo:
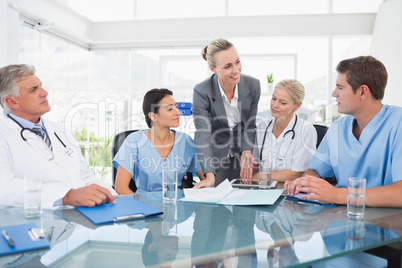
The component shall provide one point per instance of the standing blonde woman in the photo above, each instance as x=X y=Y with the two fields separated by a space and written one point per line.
x=225 y=106
x=286 y=141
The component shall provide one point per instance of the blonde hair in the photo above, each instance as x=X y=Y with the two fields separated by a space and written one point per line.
x=209 y=51
x=294 y=88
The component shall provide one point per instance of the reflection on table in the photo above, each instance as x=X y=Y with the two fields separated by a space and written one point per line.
x=286 y=234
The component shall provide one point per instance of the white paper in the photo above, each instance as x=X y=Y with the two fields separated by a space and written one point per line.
x=210 y=194
x=224 y=194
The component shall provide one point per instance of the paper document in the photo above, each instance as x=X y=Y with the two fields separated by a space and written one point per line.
x=209 y=194
x=225 y=194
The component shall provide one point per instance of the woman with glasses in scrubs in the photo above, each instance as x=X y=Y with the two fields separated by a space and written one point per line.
x=144 y=154
x=286 y=142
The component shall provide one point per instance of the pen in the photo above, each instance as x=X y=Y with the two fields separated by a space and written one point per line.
x=8 y=238
x=310 y=201
x=129 y=217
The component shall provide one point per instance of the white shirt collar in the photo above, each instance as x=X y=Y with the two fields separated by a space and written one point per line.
x=235 y=96
x=26 y=123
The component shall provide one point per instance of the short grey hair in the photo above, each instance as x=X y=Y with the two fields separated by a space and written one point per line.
x=209 y=51
x=10 y=75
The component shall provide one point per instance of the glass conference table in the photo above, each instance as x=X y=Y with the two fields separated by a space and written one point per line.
x=286 y=234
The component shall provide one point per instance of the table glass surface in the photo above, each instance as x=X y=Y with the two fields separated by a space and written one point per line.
x=286 y=234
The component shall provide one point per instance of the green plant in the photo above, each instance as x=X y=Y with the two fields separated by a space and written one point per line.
x=97 y=151
x=100 y=157
x=270 y=78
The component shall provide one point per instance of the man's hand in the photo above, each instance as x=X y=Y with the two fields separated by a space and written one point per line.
x=88 y=196
x=316 y=189
x=246 y=163
x=208 y=182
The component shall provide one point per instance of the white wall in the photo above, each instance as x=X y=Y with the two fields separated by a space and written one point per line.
x=387 y=47
x=3 y=33
x=9 y=30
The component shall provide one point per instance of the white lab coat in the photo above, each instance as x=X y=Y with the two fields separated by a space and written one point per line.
x=284 y=152
x=19 y=159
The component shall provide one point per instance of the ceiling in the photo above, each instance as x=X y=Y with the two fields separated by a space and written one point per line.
x=71 y=20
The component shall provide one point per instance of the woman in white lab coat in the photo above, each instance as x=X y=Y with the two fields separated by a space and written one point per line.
x=286 y=142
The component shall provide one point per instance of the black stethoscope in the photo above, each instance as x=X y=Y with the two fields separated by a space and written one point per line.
x=292 y=131
x=68 y=151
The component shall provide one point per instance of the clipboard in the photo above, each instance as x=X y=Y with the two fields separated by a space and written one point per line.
x=310 y=201
x=125 y=209
x=22 y=238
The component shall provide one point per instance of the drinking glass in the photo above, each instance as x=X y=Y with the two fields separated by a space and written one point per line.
x=169 y=223
x=356 y=197
x=264 y=175
x=169 y=181
x=32 y=196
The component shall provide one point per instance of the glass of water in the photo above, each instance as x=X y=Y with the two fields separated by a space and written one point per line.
x=355 y=231
x=32 y=196
x=264 y=175
x=169 y=184
x=169 y=223
x=356 y=197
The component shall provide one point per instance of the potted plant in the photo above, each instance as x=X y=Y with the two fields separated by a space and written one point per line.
x=270 y=80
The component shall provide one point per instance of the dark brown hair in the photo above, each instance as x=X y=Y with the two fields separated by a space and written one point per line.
x=151 y=101
x=365 y=70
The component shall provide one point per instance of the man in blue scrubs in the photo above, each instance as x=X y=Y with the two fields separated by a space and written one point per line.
x=365 y=143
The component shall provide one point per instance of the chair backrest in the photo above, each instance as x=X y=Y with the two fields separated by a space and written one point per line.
x=116 y=144
x=321 y=130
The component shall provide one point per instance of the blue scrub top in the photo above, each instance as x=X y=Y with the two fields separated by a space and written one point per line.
x=138 y=156
x=376 y=156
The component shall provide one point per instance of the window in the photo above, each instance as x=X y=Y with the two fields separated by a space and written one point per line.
x=99 y=93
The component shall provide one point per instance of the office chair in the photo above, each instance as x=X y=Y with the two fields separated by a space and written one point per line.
x=118 y=140
x=321 y=131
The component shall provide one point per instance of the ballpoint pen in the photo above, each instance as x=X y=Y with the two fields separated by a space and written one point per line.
x=8 y=238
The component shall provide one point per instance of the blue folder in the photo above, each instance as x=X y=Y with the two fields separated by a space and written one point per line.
x=21 y=238
x=126 y=208
x=184 y=105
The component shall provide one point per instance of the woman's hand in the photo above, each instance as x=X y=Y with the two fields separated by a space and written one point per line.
x=208 y=182
x=246 y=163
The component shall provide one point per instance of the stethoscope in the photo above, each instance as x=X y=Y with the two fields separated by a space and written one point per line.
x=68 y=151
x=292 y=131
